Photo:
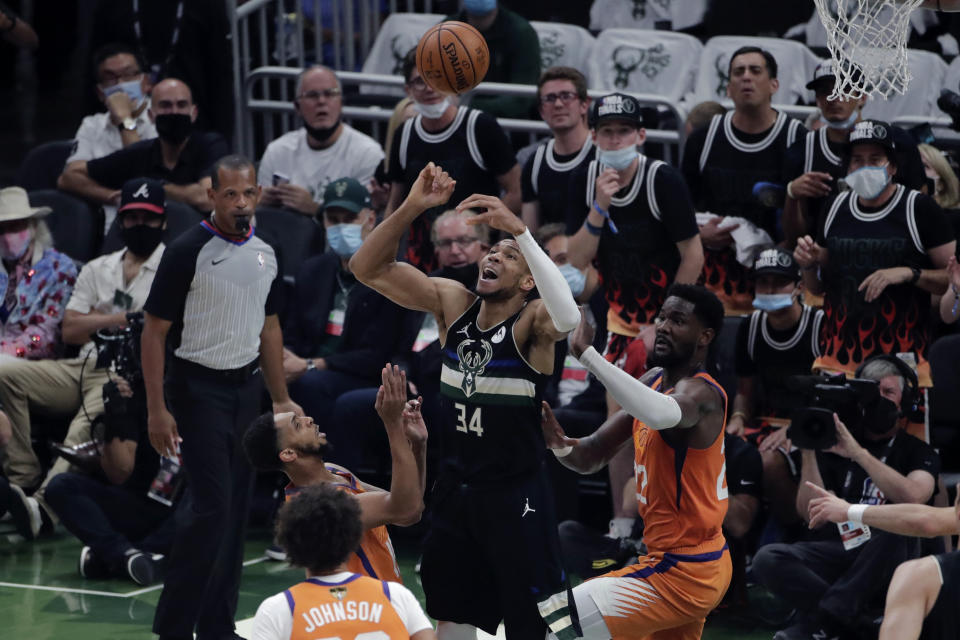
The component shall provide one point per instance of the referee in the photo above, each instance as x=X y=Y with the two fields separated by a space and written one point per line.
x=216 y=293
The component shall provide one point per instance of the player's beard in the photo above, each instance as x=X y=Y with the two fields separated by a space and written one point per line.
x=494 y=296
x=677 y=354
x=319 y=450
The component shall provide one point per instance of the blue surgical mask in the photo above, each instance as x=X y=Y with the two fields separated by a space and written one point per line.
x=844 y=124
x=345 y=239
x=772 y=301
x=618 y=159
x=576 y=279
x=868 y=182
x=479 y=7
x=133 y=89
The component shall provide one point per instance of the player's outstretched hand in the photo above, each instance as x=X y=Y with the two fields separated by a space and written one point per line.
x=413 y=424
x=582 y=337
x=825 y=507
x=497 y=214
x=432 y=188
x=392 y=396
x=553 y=433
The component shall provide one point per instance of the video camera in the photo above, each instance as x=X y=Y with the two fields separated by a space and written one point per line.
x=856 y=401
x=119 y=349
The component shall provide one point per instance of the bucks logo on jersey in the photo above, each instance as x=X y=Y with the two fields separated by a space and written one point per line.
x=474 y=357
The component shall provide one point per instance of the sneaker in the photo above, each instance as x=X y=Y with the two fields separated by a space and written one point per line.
x=276 y=552
x=141 y=567
x=90 y=566
x=26 y=513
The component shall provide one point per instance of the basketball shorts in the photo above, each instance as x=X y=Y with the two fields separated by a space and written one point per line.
x=491 y=554
x=944 y=619
x=662 y=597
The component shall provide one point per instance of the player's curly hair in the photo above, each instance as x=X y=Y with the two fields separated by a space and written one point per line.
x=319 y=528
x=706 y=306
x=261 y=445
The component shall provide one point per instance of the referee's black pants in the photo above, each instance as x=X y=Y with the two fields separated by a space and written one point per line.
x=203 y=576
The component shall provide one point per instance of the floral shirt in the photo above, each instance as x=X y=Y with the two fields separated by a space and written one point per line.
x=31 y=328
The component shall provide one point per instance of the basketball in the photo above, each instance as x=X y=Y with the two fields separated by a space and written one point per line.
x=452 y=57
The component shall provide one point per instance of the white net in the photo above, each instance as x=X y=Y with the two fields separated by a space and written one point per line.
x=868 y=43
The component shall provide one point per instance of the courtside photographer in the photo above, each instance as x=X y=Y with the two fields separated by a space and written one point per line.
x=838 y=578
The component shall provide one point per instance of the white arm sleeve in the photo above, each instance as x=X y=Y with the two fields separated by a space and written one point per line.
x=551 y=284
x=656 y=410
x=409 y=610
x=273 y=620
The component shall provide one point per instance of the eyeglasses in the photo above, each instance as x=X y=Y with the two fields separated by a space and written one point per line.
x=329 y=94
x=113 y=79
x=417 y=84
x=462 y=241
x=566 y=97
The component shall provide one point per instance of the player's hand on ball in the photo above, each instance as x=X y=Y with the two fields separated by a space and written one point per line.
x=582 y=337
x=432 y=189
x=553 y=433
x=497 y=215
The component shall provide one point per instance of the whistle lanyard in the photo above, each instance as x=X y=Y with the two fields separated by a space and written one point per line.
x=156 y=70
x=849 y=478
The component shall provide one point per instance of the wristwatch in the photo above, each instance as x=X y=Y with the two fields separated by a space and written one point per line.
x=310 y=364
x=128 y=124
x=916 y=275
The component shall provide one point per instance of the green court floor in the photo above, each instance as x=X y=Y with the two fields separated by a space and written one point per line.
x=43 y=598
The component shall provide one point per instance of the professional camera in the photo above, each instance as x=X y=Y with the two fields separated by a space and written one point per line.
x=119 y=350
x=857 y=402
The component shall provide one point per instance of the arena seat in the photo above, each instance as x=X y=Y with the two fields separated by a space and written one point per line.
x=610 y=14
x=565 y=45
x=297 y=235
x=929 y=73
x=795 y=64
x=180 y=217
x=76 y=225
x=645 y=61
x=43 y=165
x=399 y=33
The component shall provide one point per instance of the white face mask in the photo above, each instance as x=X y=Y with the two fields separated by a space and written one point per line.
x=432 y=111
x=844 y=124
x=868 y=182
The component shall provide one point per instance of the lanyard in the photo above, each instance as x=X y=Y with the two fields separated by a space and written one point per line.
x=852 y=464
x=156 y=69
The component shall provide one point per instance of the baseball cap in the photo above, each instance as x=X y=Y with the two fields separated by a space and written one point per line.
x=777 y=262
x=823 y=71
x=616 y=106
x=145 y=194
x=346 y=193
x=872 y=132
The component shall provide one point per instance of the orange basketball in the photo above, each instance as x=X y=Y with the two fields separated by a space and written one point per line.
x=452 y=57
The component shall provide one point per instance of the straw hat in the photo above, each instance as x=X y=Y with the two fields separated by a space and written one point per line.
x=14 y=205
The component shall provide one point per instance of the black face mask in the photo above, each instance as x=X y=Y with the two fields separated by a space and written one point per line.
x=173 y=127
x=141 y=239
x=321 y=133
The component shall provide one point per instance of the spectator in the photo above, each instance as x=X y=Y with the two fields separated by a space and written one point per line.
x=514 y=55
x=36 y=280
x=639 y=251
x=107 y=290
x=725 y=160
x=562 y=94
x=942 y=182
x=744 y=487
x=180 y=156
x=340 y=332
x=832 y=581
x=298 y=166
x=380 y=186
x=701 y=115
x=440 y=134
x=124 y=89
x=121 y=518
x=296 y=446
x=881 y=250
x=814 y=164
x=188 y=40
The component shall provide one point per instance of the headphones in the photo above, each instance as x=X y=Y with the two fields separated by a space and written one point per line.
x=910 y=400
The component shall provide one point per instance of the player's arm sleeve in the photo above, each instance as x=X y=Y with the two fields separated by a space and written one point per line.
x=932 y=223
x=657 y=410
x=744 y=366
x=526 y=180
x=168 y=293
x=495 y=147
x=553 y=287
x=676 y=206
x=407 y=607
x=273 y=620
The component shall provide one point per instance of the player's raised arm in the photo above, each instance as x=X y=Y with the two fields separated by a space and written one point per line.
x=375 y=264
x=559 y=314
x=592 y=453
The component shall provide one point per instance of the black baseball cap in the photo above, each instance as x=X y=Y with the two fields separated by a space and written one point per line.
x=346 y=193
x=777 y=262
x=144 y=194
x=872 y=132
x=616 y=106
x=824 y=71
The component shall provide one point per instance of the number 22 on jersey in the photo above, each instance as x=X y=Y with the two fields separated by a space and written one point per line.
x=642 y=479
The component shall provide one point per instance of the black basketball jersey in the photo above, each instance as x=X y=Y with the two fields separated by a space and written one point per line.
x=473 y=149
x=637 y=264
x=546 y=178
x=772 y=356
x=861 y=241
x=490 y=402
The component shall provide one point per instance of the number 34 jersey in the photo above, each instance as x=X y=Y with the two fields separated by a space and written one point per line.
x=681 y=493
x=490 y=402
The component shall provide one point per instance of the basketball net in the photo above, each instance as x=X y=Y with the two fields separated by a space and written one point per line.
x=868 y=43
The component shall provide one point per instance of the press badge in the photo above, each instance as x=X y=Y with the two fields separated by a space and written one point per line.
x=122 y=300
x=853 y=534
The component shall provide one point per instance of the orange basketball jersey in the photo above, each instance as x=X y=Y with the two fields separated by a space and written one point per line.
x=681 y=494
x=344 y=609
x=375 y=556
